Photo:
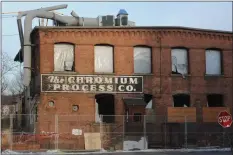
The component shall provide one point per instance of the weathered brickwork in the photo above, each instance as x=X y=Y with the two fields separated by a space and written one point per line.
x=161 y=84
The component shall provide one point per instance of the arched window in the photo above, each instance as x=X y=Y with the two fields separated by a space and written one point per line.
x=63 y=57
x=103 y=59
x=142 y=60
x=213 y=62
x=179 y=61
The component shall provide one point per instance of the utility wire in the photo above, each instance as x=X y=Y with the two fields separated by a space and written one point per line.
x=8 y=16
x=10 y=34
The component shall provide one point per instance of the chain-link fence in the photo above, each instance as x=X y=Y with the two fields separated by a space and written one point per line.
x=125 y=132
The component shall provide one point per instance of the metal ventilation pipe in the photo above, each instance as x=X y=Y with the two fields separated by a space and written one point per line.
x=25 y=40
x=27 y=32
x=73 y=20
x=22 y=14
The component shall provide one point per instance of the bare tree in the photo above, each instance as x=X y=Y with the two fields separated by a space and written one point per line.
x=8 y=66
x=16 y=85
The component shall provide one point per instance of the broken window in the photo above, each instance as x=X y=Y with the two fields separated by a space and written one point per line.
x=142 y=60
x=181 y=100
x=104 y=59
x=179 y=61
x=148 y=100
x=137 y=117
x=105 y=107
x=213 y=62
x=63 y=57
x=215 y=100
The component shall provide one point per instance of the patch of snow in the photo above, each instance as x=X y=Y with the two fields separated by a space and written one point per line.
x=135 y=145
x=187 y=150
x=53 y=151
x=10 y=152
x=102 y=151
x=164 y=150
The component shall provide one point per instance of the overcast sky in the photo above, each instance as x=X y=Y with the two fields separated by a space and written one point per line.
x=207 y=15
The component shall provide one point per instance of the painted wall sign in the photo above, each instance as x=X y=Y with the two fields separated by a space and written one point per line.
x=91 y=83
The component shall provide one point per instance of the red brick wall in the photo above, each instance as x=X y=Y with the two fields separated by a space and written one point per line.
x=123 y=41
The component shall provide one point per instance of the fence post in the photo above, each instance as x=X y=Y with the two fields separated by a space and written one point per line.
x=144 y=130
x=11 y=131
x=123 y=138
x=185 y=132
x=165 y=133
x=56 y=132
x=34 y=129
x=223 y=138
x=101 y=139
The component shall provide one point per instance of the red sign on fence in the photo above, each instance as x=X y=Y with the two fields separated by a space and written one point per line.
x=225 y=119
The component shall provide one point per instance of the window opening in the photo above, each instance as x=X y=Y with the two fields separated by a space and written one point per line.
x=104 y=59
x=181 y=100
x=179 y=61
x=106 y=107
x=215 y=100
x=63 y=57
x=213 y=62
x=142 y=60
x=137 y=117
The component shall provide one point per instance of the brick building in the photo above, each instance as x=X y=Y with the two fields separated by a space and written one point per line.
x=170 y=72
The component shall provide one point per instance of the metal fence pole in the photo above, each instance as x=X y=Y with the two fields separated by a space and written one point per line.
x=34 y=129
x=144 y=130
x=123 y=138
x=56 y=132
x=223 y=138
x=185 y=132
x=101 y=139
x=165 y=133
x=11 y=131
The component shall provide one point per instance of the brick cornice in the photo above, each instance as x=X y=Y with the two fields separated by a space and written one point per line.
x=141 y=33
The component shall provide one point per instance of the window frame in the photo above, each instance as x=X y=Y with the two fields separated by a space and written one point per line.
x=188 y=58
x=221 y=62
x=113 y=61
x=151 y=58
x=74 y=47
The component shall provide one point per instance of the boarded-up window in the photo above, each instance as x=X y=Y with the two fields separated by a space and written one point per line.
x=63 y=57
x=104 y=59
x=179 y=61
x=213 y=62
x=142 y=60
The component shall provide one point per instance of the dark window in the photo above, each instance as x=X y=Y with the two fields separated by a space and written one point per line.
x=181 y=100
x=215 y=100
x=106 y=107
x=137 y=117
